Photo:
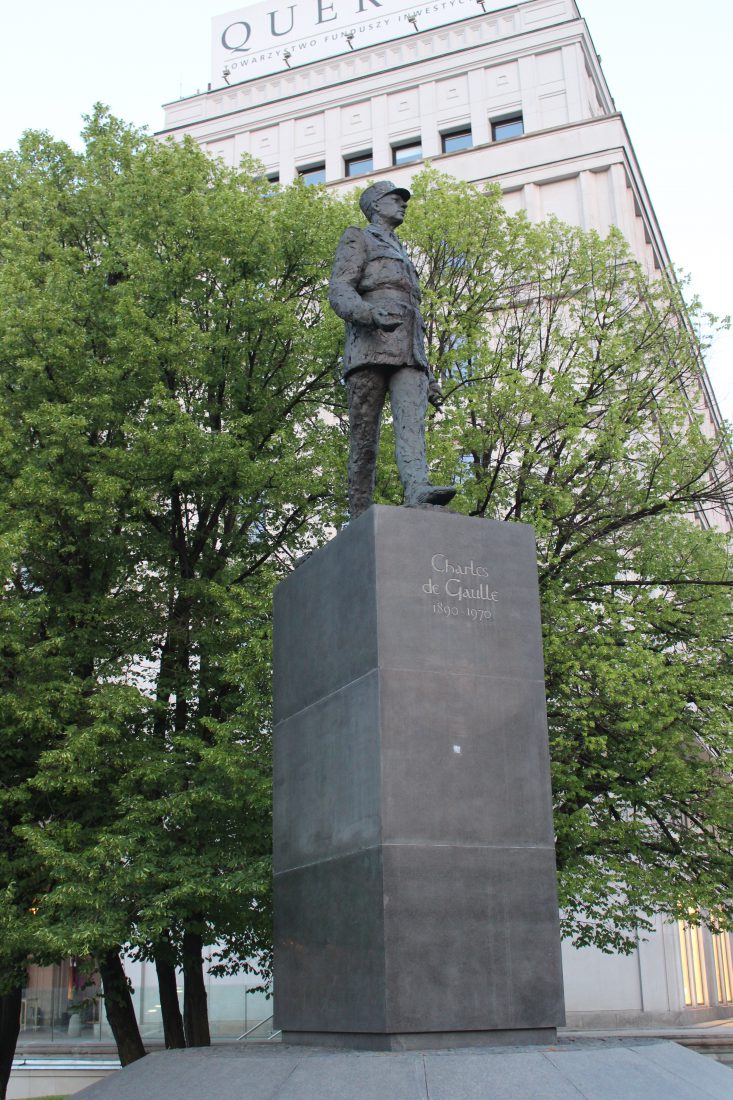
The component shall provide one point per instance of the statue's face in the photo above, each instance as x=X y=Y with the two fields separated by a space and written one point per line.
x=391 y=208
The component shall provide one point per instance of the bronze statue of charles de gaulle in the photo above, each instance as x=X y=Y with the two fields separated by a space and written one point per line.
x=375 y=289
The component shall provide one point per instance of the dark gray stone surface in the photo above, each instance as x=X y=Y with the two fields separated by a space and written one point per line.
x=419 y=1040
x=327 y=606
x=567 y=1070
x=414 y=862
x=469 y=936
x=330 y=604
x=328 y=776
x=486 y=793
x=329 y=931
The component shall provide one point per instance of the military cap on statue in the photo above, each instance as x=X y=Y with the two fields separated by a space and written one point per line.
x=377 y=191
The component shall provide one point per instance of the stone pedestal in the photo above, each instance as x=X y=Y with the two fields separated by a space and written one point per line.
x=634 y=1069
x=415 y=898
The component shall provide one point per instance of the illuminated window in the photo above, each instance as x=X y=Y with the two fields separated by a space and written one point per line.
x=407 y=154
x=457 y=140
x=723 y=967
x=359 y=165
x=692 y=958
x=315 y=174
x=505 y=128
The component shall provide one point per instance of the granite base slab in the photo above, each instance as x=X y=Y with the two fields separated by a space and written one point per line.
x=421 y=1040
x=566 y=1070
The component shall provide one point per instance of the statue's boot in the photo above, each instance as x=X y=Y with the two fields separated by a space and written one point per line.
x=432 y=494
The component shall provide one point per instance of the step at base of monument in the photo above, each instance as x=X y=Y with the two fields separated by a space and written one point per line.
x=566 y=1070
x=421 y=1040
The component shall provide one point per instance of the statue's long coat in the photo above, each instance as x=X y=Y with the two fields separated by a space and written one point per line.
x=372 y=269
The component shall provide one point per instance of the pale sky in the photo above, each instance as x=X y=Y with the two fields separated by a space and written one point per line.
x=666 y=62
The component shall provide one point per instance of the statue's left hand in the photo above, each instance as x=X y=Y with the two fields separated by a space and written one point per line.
x=435 y=393
x=388 y=317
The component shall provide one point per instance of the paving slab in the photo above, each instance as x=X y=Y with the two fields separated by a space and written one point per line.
x=378 y=1075
x=622 y=1074
x=513 y=1076
x=701 y=1072
x=566 y=1070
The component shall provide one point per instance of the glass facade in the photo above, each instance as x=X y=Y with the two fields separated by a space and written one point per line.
x=60 y=1003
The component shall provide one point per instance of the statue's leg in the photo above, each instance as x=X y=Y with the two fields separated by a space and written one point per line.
x=366 y=391
x=408 y=391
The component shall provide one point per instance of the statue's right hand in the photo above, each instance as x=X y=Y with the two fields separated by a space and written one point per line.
x=387 y=318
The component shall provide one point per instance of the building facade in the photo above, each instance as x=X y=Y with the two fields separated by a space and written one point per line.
x=514 y=94
x=508 y=93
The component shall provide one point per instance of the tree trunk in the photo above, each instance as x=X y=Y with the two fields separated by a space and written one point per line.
x=9 y=1031
x=170 y=1009
x=195 y=1011
x=119 y=1008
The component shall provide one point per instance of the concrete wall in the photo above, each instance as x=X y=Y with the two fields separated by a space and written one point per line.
x=646 y=987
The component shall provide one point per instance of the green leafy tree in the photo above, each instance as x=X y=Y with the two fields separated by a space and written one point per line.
x=573 y=402
x=167 y=370
x=166 y=362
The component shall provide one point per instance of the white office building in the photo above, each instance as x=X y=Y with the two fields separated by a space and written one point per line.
x=514 y=93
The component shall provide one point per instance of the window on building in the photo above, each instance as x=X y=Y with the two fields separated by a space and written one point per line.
x=457 y=140
x=407 y=154
x=723 y=966
x=315 y=174
x=692 y=956
x=273 y=178
x=505 y=128
x=359 y=165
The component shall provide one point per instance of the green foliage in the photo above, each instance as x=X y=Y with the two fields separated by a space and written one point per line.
x=573 y=388
x=172 y=439
x=165 y=362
